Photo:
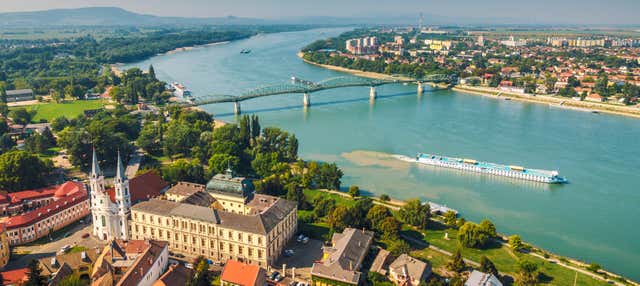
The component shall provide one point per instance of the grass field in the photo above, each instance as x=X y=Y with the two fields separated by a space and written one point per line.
x=69 y=109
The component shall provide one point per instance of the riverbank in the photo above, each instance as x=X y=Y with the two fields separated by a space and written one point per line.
x=560 y=268
x=553 y=101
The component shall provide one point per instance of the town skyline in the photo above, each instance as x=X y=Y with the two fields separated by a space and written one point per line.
x=616 y=12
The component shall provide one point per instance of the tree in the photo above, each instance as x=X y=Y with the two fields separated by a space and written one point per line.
x=4 y=109
x=450 y=218
x=152 y=72
x=59 y=123
x=20 y=170
x=390 y=227
x=602 y=84
x=470 y=235
x=376 y=215
x=34 y=275
x=515 y=242
x=415 y=213
x=550 y=83
x=385 y=198
x=6 y=143
x=150 y=138
x=263 y=164
x=323 y=205
x=398 y=247
x=218 y=163
x=354 y=191
x=183 y=170
x=457 y=263
x=72 y=280
x=527 y=273
x=487 y=266
x=339 y=218
x=3 y=94
x=488 y=227
x=21 y=116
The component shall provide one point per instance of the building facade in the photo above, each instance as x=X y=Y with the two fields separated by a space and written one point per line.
x=130 y=263
x=5 y=253
x=64 y=204
x=341 y=262
x=238 y=224
x=110 y=217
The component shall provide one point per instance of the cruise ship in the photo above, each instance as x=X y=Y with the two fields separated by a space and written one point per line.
x=517 y=172
x=180 y=90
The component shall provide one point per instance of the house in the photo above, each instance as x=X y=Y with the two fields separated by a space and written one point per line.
x=236 y=273
x=66 y=264
x=409 y=271
x=176 y=275
x=15 y=276
x=341 y=261
x=478 y=278
x=20 y=95
x=595 y=97
x=380 y=262
x=130 y=263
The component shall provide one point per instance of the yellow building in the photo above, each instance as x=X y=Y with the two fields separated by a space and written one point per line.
x=4 y=247
x=238 y=224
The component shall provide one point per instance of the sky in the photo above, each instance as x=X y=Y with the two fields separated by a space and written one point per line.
x=527 y=11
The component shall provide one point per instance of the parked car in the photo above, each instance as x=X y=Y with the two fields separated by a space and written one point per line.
x=85 y=235
x=273 y=275
x=179 y=255
x=278 y=278
x=65 y=248
x=289 y=253
x=305 y=240
x=188 y=265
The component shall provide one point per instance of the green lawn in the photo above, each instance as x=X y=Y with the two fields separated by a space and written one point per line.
x=311 y=195
x=77 y=249
x=69 y=109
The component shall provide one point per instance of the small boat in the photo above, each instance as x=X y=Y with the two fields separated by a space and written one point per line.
x=245 y=51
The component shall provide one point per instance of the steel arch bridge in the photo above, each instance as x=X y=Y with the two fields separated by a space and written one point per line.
x=306 y=87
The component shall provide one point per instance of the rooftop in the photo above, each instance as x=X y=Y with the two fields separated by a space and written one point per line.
x=143 y=187
x=228 y=184
x=478 y=278
x=185 y=189
x=177 y=274
x=241 y=274
x=408 y=266
x=344 y=257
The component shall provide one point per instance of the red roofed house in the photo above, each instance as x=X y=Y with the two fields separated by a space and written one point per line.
x=143 y=188
x=594 y=97
x=239 y=274
x=130 y=263
x=47 y=210
x=176 y=275
x=15 y=277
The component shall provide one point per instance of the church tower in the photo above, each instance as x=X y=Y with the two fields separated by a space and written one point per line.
x=100 y=202
x=122 y=200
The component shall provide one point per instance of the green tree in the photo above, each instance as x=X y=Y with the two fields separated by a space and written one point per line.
x=527 y=273
x=34 y=274
x=488 y=227
x=72 y=280
x=339 y=218
x=4 y=109
x=515 y=242
x=218 y=163
x=457 y=263
x=184 y=170
x=487 y=266
x=385 y=198
x=398 y=247
x=150 y=138
x=323 y=205
x=450 y=218
x=6 y=143
x=20 y=170
x=354 y=191
x=59 y=123
x=415 y=213
x=376 y=215
x=550 y=83
x=21 y=116
x=390 y=227
x=264 y=164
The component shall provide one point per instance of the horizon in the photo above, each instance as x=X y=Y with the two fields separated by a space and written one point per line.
x=568 y=12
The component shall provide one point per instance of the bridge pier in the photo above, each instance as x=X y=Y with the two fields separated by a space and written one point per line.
x=372 y=93
x=420 y=88
x=236 y=108
x=306 y=99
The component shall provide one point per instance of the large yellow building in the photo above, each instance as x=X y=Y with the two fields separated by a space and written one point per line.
x=226 y=221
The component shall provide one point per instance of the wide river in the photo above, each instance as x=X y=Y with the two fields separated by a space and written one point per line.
x=594 y=218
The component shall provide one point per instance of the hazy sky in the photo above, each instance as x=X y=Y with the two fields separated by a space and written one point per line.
x=542 y=11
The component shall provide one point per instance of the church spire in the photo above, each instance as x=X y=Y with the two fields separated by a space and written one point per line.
x=95 y=168
x=120 y=174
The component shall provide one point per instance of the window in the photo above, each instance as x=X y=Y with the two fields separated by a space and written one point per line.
x=104 y=221
x=250 y=251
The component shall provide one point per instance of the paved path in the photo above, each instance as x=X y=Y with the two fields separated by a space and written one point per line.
x=423 y=243
x=134 y=163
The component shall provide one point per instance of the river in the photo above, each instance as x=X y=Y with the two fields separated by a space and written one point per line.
x=593 y=218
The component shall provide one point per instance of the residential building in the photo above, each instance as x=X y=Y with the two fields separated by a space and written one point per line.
x=341 y=262
x=237 y=224
x=5 y=252
x=130 y=263
x=48 y=210
x=236 y=273
x=409 y=271
x=381 y=261
x=176 y=275
x=19 y=95
x=15 y=277
x=62 y=265
x=362 y=46
x=478 y=278
x=512 y=42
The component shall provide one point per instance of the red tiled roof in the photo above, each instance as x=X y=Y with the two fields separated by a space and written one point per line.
x=18 y=197
x=176 y=275
x=15 y=276
x=239 y=273
x=150 y=254
x=143 y=187
x=75 y=193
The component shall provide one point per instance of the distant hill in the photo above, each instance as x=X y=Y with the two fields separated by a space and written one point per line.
x=109 y=16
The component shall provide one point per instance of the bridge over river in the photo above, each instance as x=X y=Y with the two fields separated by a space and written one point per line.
x=305 y=87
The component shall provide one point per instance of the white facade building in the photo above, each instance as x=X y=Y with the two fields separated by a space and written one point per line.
x=110 y=216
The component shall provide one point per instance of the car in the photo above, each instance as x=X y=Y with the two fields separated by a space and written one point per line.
x=65 y=248
x=289 y=252
x=278 y=278
x=305 y=240
x=300 y=238
x=274 y=275
x=188 y=265
x=85 y=235
x=179 y=255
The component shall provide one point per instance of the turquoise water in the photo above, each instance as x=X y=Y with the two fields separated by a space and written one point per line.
x=593 y=218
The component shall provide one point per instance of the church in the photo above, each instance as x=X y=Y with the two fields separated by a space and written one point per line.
x=110 y=217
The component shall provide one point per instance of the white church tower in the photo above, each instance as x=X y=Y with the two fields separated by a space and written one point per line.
x=110 y=218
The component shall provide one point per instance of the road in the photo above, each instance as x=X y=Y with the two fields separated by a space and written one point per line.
x=50 y=249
